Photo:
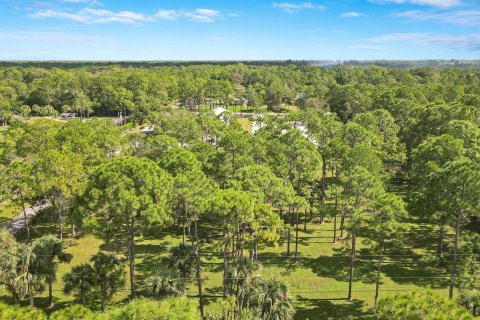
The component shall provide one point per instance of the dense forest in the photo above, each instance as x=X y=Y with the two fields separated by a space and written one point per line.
x=317 y=193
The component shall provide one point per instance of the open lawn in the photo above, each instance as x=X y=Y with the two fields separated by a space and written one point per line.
x=8 y=211
x=246 y=124
x=318 y=279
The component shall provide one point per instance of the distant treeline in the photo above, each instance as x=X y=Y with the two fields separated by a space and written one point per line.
x=347 y=90
x=407 y=64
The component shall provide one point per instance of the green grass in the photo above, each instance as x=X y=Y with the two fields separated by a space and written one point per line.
x=318 y=280
x=8 y=211
x=246 y=124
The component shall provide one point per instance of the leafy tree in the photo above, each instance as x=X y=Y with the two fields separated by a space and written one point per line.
x=360 y=187
x=82 y=105
x=385 y=227
x=13 y=266
x=123 y=197
x=18 y=182
x=324 y=127
x=233 y=208
x=426 y=161
x=60 y=176
x=459 y=185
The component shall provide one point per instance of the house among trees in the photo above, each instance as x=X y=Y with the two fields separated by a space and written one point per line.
x=68 y=115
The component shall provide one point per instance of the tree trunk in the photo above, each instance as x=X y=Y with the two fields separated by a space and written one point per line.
x=198 y=268
x=30 y=295
x=305 y=221
x=27 y=225
x=16 y=298
x=441 y=236
x=342 y=221
x=183 y=232
x=288 y=232
x=379 y=270
x=335 y=227
x=60 y=223
x=225 y=265
x=311 y=206
x=335 y=220
x=352 y=265
x=455 y=257
x=296 y=235
x=131 y=260
x=104 y=296
x=324 y=180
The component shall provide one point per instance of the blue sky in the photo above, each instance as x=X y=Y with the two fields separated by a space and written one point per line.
x=239 y=29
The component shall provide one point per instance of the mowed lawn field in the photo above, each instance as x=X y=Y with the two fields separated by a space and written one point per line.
x=318 y=279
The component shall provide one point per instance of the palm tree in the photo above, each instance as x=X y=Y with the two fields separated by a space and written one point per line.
x=80 y=280
x=48 y=250
x=272 y=299
x=13 y=265
x=167 y=282
x=182 y=258
x=241 y=274
x=109 y=274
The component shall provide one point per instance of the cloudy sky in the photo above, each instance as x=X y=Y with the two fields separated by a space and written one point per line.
x=239 y=29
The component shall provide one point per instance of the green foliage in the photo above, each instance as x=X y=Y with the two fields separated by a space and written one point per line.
x=165 y=283
x=471 y=301
x=271 y=299
x=144 y=309
x=81 y=280
x=127 y=187
x=14 y=263
x=74 y=312
x=420 y=305
x=18 y=313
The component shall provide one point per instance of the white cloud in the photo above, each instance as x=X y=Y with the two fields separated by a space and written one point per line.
x=460 y=17
x=457 y=42
x=87 y=2
x=98 y=16
x=351 y=14
x=295 y=7
x=94 y=16
x=167 y=14
x=433 y=3
x=207 y=12
x=198 y=17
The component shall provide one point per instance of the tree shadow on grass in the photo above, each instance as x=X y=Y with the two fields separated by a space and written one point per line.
x=324 y=309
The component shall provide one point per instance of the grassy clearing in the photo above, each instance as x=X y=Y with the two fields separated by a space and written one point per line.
x=8 y=211
x=246 y=124
x=318 y=279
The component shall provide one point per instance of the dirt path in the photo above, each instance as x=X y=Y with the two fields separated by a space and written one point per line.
x=18 y=222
